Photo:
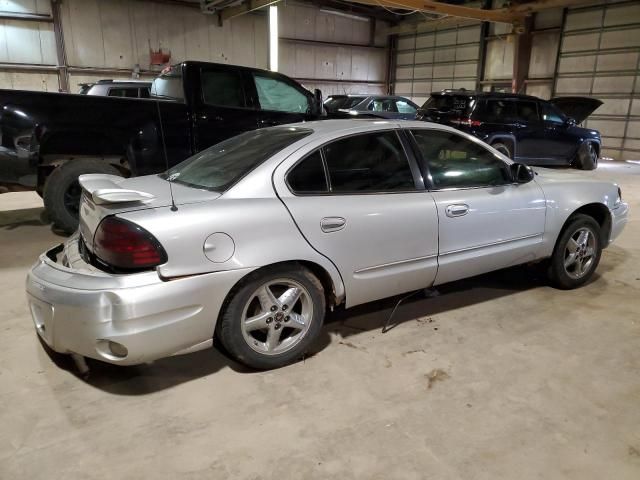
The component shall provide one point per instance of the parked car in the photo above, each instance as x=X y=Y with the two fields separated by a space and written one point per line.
x=49 y=139
x=382 y=106
x=117 y=88
x=527 y=129
x=251 y=240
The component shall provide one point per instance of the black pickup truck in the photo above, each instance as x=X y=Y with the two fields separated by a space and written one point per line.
x=48 y=139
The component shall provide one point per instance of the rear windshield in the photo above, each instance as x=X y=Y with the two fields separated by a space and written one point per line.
x=449 y=103
x=219 y=167
x=168 y=86
x=335 y=103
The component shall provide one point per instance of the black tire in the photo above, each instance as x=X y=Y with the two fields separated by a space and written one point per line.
x=230 y=331
x=503 y=148
x=62 y=191
x=587 y=157
x=564 y=277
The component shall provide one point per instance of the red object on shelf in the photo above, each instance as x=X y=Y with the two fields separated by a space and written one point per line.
x=159 y=57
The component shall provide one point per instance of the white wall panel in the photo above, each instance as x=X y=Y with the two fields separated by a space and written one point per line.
x=27 y=42
x=44 y=82
x=42 y=7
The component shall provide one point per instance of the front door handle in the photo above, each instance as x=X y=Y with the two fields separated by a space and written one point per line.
x=332 y=224
x=457 y=210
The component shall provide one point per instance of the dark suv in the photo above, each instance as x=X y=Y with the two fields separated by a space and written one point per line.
x=527 y=129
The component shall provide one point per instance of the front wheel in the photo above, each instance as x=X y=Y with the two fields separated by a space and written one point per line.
x=576 y=254
x=273 y=317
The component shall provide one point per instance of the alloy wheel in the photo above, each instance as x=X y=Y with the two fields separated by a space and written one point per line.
x=277 y=316
x=579 y=253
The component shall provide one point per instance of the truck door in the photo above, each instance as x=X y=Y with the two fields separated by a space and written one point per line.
x=222 y=109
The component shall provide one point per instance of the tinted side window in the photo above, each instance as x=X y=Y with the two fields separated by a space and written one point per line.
x=222 y=88
x=498 y=111
x=144 y=92
x=404 y=107
x=527 y=111
x=274 y=94
x=550 y=114
x=373 y=162
x=308 y=176
x=455 y=162
x=123 y=92
x=382 y=105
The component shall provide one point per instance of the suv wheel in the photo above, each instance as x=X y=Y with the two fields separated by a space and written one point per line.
x=503 y=148
x=587 y=157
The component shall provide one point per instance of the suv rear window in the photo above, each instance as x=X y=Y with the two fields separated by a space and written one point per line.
x=460 y=104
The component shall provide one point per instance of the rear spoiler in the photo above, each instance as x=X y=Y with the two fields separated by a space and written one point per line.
x=103 y=188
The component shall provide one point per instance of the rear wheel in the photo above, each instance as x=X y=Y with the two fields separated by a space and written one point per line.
x=587 y=157
x=577 y=253
x=62 y=191
x=503 y=148
x=273 y=317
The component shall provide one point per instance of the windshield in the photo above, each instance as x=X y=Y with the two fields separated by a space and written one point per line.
x=168 y=85
x=334 y=103
x=219 y=167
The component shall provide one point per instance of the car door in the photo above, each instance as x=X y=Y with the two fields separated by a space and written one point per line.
x=359 y=200
x=279 y=100
x=486 y=222
x=222 y=110
x=528 y=131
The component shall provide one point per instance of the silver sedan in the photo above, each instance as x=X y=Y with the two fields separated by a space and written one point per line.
x=250 y=241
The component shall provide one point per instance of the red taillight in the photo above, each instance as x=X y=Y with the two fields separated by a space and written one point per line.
x=466 y=121
x=124 y=245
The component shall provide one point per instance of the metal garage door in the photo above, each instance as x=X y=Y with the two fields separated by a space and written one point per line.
x=432 y=61
x=599 y=57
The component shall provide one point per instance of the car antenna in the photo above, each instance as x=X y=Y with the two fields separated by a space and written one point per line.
x=174 y=208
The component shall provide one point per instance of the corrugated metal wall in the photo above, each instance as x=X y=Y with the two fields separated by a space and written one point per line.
x=600 y=57
x=27 y=43
x=331 y=52
x=435 y=60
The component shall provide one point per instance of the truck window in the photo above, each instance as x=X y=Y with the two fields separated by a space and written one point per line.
x=124 y=92
x=168 y=86
x=274 y=94
x=222 y=88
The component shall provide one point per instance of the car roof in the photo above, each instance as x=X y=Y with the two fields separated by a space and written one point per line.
x=326 y=127
x=475 y=93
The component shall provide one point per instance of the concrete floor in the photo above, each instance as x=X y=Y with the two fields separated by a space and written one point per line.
x=498 y=377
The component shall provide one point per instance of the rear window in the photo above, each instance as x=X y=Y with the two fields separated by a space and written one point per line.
x=168 y=85
x=344 y=102
x=219 y=167
x=460 y=104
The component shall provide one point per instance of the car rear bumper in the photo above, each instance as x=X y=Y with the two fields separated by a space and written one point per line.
x=78 y=309
x=619 y=216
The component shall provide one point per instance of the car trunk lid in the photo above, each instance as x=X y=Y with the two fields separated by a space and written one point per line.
x=578 y=108
x=105 y=195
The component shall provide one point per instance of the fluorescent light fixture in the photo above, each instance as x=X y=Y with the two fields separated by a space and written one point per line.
x=344 y=14
x=273 y=38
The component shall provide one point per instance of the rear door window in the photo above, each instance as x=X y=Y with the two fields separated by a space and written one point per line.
x=498 y=111
x=373 y=162
x=222 y=88
x=527 y=111
x=308 y=176
x=383 y=105
x=404 y=107
x=131 y=92
x=277 y=95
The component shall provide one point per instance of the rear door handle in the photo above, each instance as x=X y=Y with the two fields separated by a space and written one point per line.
x=332 y=224
x=457 y=210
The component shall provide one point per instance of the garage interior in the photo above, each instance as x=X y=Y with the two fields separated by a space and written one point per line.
x=494 y=377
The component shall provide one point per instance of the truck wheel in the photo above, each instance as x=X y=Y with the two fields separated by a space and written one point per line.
x=503 y=148
x=272 y=317
x=62 y=191
x=587 y=157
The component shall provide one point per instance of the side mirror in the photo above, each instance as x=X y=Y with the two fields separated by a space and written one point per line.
x=521 y=173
